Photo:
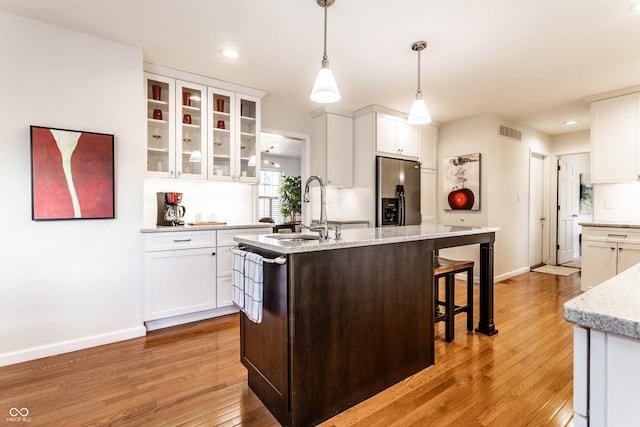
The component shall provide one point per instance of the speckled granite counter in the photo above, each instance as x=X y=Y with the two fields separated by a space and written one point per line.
x=363 y=237
x=609 y=224
x=162 y=229
x=613 y=306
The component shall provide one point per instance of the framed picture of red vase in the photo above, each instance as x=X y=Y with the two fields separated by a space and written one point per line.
x=461 y=180
x=72 y=174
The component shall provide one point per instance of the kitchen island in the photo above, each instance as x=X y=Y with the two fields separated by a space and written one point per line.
x=606 y=351
x=345 y=319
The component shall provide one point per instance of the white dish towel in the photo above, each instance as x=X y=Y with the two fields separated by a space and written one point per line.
x=247 y=283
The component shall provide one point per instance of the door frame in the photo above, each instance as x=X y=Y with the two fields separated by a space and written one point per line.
x=546 y=206
x=553 y=213
x=545 y=203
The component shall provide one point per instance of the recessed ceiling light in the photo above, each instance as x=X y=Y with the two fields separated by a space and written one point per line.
x=230 y=53
x=635 y=7
x=570 y=122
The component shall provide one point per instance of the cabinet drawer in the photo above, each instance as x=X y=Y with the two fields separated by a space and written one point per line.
x=225 y=237
x=179 y=240
x=605 y=234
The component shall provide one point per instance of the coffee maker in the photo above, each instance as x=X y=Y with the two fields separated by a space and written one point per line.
x=170 y=212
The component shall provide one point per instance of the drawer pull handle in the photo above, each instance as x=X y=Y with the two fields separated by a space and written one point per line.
x=181 y=240
x=616 y=235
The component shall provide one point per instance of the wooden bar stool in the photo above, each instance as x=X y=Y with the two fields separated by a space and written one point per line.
x=448 y=269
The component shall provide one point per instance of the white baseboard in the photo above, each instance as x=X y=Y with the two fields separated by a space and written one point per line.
x=152 y=325
x=511 y=274
x=71 y=345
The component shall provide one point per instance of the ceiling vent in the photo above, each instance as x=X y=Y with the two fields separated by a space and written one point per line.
x=510 y=133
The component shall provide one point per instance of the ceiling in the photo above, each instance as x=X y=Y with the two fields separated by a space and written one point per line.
x=530 y=62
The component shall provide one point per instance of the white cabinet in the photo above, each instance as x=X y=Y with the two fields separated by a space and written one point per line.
x=180 y=273
x=188 y=274
x=225 y=261
x=607 y=252
x=428 y=139
x=395 y=136
x=175 y=128
x=606 y=375
x=160 y=93
x=615 y=139
x=332 y=157
x=234 y=136
x=199 y=131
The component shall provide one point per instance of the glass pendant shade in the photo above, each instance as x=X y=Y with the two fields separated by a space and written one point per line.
x=419 y=114
x=325 y=90
x=195 y=157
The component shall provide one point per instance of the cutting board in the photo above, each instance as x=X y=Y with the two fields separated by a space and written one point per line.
x=207 y=223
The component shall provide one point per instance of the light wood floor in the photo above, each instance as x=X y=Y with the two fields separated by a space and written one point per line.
x=191 y=375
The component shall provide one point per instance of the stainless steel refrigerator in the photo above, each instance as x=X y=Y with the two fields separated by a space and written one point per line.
x=397 y=192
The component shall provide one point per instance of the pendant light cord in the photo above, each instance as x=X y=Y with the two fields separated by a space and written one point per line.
x=325 y=60
x=419 y=90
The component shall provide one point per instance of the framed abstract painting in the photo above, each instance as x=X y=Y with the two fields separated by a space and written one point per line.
x=72 y=174
x=461 y=180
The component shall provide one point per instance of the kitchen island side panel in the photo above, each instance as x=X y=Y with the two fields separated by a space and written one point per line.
x=361 y=319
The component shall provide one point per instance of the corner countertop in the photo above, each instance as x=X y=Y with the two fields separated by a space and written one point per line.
x=613 y=306
x=163 y=229
x=361 y=237
x=609 y=224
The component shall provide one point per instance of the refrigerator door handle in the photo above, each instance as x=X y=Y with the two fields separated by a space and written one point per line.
x=402 y=210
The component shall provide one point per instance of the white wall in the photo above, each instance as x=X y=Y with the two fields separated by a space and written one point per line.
x=504 y=186
x=68 y=284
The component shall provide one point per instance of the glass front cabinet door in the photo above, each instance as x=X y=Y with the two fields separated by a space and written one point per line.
x=191 y=132
x=160 y=96
x=233 y=137
x=221 y=134
x=248 y=159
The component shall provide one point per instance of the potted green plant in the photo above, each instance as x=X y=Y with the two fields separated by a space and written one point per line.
x=290 y=197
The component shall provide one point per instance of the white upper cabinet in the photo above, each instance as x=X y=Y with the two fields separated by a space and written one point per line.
x=160 y=93
x=428 y=140
x=191 y=134
x=615 y=139
x=395 y=136
x=196 y=130
x=333 y=148
x=176 y=133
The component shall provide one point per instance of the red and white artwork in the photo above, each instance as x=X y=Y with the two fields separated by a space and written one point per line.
x=72 y=174
x=461 y=180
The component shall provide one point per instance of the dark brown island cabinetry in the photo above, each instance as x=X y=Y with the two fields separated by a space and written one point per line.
x=343 y=323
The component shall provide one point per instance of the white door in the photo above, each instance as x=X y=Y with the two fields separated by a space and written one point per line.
x=536 y=211
x=567 y=210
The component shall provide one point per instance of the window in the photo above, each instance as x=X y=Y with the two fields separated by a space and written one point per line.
x=268 y=199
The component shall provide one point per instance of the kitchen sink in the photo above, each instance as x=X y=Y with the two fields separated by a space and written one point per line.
x=293 y=237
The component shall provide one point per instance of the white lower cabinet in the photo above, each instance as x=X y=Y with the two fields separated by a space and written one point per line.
x=606 y=375
x=180 y=282
x=225 y=261
x=180 y=273
x=607 y=252
x=188 y=275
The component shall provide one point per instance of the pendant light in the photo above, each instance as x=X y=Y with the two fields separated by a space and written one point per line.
x=419 y=114
x=325 y=89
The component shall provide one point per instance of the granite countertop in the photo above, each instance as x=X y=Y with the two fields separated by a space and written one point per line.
x=609 y=224
x=361 y=237
x=613 y=306
x=200 y=227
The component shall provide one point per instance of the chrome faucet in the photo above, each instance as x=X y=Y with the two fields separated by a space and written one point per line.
x=321 y=227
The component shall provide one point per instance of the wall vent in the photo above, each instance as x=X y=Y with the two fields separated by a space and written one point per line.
x=510 y=133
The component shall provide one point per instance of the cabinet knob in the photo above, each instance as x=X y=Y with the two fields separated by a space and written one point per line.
x=213 y=254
